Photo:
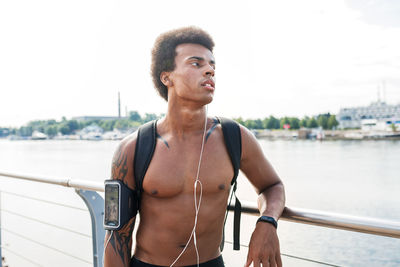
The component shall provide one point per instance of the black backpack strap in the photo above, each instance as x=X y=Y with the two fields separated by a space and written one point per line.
x=233 y=142
x=145 y=146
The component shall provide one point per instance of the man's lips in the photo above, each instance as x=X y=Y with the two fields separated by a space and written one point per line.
x=209 y=84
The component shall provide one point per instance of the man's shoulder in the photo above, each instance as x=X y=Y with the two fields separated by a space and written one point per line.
x=125 y=150
x=129 y=142
x=123 y=159
x=247 y=138
x=232 y=125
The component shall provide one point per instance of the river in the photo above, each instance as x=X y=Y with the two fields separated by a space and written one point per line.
x=360 y=178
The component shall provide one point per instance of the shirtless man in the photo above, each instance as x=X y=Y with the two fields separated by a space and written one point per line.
x=183 y=69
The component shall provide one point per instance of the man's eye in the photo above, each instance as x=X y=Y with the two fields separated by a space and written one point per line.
x=195 y=64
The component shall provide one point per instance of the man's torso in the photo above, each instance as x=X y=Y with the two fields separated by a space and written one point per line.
x=167 y=208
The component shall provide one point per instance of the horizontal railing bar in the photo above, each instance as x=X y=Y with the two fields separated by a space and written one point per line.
x=74 y=183
x=332 y=220
x=312 y=217
x=46 y=223
x=43 y=200
x=46 y=246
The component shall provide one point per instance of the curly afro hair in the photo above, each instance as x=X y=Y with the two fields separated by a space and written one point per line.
x=163 y=53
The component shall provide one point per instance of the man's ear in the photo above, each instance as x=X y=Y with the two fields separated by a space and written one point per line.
x=165 y=78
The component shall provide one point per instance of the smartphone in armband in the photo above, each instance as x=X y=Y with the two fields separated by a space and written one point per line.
x=120 y=204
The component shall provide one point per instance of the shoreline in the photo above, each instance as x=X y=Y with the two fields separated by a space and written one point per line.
x=288 y=135
x=271 y=134
x=328 y=135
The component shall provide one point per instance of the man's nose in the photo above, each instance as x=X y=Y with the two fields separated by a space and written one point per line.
x=209 y=71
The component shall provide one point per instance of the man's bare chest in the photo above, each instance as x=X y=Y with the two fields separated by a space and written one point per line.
x=173 y=170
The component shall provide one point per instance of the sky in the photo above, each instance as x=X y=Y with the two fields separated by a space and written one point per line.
x=281 y=58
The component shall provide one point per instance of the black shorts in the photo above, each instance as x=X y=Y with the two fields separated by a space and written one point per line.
x=217 y=262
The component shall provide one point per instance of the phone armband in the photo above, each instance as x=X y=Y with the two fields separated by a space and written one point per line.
x=120 y=204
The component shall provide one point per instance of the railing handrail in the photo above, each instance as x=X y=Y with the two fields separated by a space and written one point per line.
x=306 y=216
x=74 y=183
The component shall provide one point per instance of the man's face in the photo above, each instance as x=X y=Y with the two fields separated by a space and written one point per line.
x=193 y=76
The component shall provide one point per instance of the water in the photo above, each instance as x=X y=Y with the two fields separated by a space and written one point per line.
x=352 y=177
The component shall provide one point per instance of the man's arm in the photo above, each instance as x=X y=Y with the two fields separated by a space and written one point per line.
x=264 y=243
x=119 y=243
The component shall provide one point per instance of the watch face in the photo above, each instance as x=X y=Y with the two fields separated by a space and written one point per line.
x=111 y=205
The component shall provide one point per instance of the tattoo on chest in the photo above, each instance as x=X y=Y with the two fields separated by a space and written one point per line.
x=215 y=123
x=119 y=165
x=162 y=139
x=213 y=126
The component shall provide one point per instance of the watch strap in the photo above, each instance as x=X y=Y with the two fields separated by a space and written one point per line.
x=268 y=219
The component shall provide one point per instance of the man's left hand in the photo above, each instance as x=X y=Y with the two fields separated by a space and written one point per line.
x=264 y=247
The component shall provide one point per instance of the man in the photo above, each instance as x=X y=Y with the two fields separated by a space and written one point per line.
x=170 y=231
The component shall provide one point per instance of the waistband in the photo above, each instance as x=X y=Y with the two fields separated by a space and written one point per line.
x=217 y=262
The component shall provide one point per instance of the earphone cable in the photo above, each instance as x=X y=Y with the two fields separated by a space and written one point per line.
x=196 y=206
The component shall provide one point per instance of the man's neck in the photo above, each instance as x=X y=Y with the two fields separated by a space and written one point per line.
x=184 y=119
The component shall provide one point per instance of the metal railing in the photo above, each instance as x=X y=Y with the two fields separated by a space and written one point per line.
x=87 y=190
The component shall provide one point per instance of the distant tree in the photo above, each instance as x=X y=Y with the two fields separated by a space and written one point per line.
x=294 y=123
x=107 y=125
x=332 y=122
x=37 y=125
x=73 y=125
x=303 y=122
x=51 y=122
x=312 y=123
x=125 y=124
x=258 y=124
x=265 y=122
x=64 y=128
x=51 y=130
x=149 y=117
x=273 y=123
x=249 y=124
x=323 y=121
x=83 y=124
x=25 y=131
x=134 y=116
x=239 y=120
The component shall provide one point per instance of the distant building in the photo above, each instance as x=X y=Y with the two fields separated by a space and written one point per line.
x=381 y=125
x=377 y=112
x=92 y=118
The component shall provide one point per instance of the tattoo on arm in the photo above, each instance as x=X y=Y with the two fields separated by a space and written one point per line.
x=162 y=139
x=122 y=242
x=215 y=123
x=119 y=165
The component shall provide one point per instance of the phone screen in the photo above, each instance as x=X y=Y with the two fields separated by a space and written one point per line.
x=111 y=206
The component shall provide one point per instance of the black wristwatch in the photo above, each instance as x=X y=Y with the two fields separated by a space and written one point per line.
x=268 y=219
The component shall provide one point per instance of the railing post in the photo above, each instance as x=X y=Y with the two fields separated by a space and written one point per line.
x=95 y=204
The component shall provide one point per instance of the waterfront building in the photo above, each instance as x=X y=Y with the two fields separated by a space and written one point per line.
x=380 y=125
x=379 y=112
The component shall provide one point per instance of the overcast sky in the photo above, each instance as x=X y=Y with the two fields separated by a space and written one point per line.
x=295 y=58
